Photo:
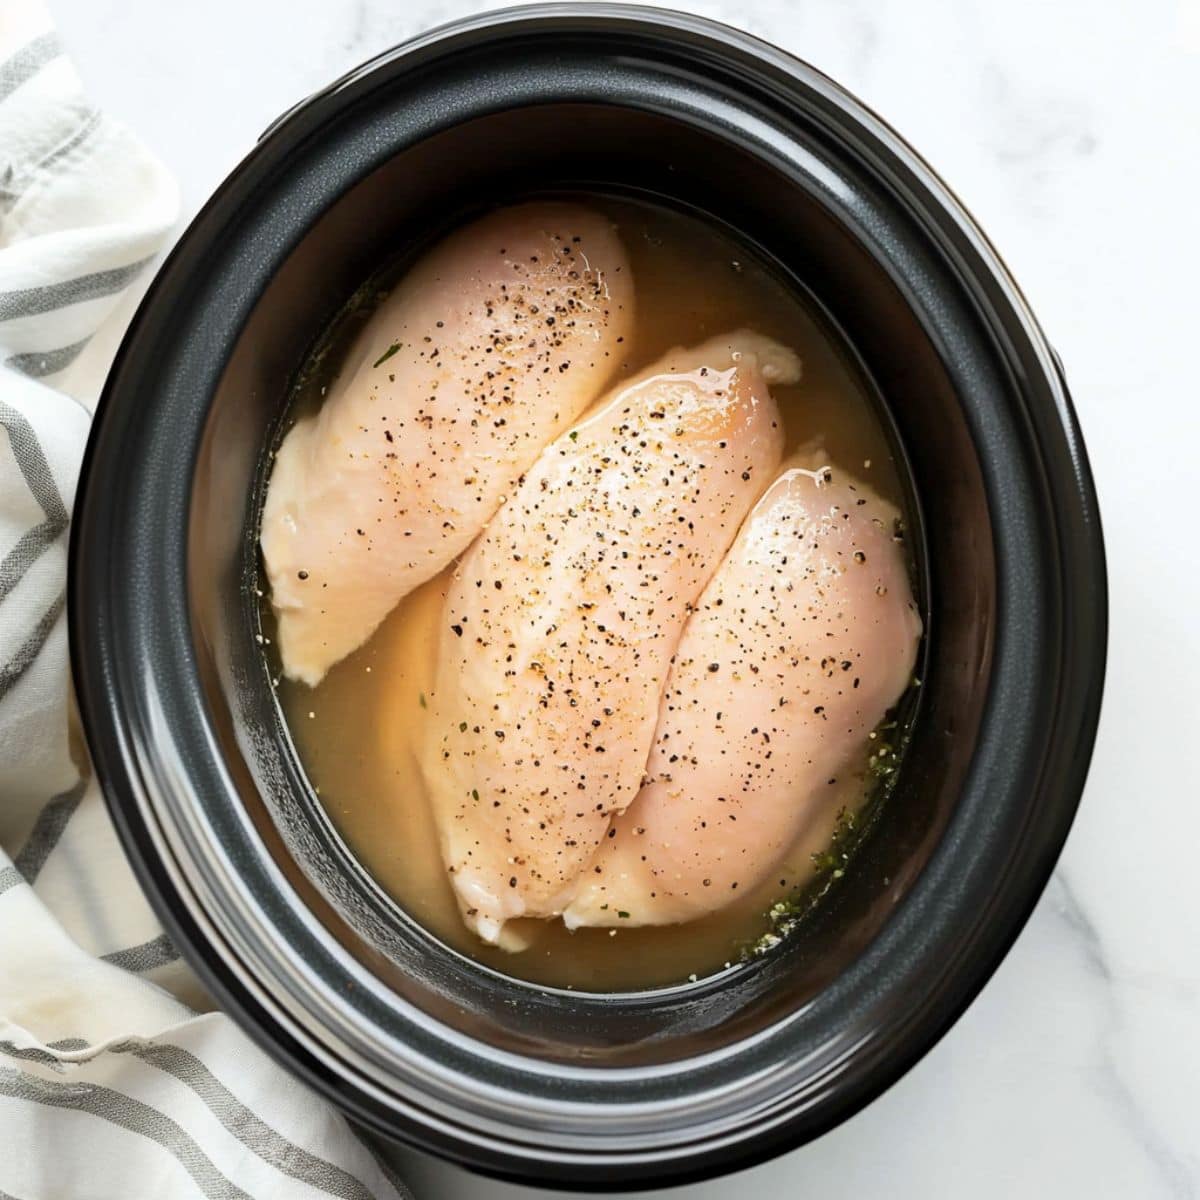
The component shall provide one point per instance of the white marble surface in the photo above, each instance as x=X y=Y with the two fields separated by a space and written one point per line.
x=1072 y=130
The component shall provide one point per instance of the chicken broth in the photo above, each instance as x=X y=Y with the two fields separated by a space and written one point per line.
x=359 y=731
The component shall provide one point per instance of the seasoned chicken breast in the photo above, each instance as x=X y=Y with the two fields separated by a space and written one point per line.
x=492 y=345
x=561 y=620
x=805 y=637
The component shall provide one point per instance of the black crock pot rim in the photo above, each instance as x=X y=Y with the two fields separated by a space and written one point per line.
x=117 y=766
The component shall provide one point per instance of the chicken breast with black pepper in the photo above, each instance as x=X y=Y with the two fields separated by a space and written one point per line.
x=561 y=620
x=805 y=637
x=490 y=347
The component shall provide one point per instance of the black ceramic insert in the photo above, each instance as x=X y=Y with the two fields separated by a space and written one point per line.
x=298 y=943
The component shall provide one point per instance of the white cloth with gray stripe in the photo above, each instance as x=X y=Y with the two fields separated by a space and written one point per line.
x=113 y=1080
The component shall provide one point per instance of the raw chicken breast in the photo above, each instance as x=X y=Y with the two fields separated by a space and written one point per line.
x=561 y=620
x=803 y=640
x=492 y=345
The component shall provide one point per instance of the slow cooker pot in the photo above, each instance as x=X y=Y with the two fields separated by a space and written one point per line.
x=293 y=937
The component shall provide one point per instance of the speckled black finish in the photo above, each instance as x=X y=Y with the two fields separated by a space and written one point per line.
x=252 y=883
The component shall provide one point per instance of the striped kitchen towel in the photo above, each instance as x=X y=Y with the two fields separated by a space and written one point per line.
x=113 y=1080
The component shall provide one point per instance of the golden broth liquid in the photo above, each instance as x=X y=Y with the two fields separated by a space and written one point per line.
x=356 y=732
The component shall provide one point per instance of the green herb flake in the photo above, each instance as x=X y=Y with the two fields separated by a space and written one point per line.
x=462 y=727
x=573 y=434
x=623 y=915
x=885 y=751
x=421 y=700
x=386 y=354
x=474 y=794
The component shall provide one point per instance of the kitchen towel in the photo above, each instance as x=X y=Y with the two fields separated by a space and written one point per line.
x=113 y=1082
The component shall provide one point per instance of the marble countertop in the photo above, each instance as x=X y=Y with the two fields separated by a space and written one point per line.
x=1072 y=130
